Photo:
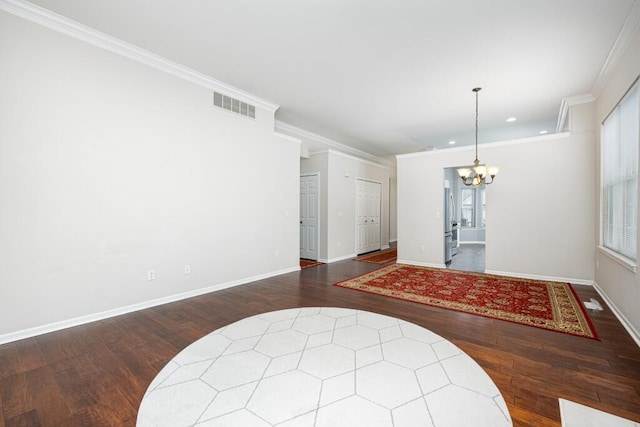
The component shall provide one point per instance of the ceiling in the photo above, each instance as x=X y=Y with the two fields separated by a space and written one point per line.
x=382 y=76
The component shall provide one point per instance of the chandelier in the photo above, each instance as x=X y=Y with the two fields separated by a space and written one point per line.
x=477 y=175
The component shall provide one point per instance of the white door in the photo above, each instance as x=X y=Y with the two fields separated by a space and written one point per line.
x=368 y=202
x=309 y=216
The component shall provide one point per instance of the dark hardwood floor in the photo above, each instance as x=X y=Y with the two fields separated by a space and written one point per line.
x=96 y=374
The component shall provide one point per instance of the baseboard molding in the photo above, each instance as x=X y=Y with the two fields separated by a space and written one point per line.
x=472 y=242
x=57 y=326
x=621 y=317
x=341 y=258
x=421 y=264
x=571 y=280
x=393 y=240
x=385 y=247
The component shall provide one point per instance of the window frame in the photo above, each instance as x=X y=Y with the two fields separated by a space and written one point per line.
x=614 y=245
x=472 y=206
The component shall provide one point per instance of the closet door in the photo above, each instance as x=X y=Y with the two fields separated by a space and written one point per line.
x=368 y=203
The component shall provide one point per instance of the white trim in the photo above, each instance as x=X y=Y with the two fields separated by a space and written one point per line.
x=627 y=33
x=635 y=334
x=359 y=154
x=393 y=240
x=421 y=264
x=56 y=326
x=287 y=137
x=349 y=156
x=574 y=281
x=614 y=256
x=340 y=258
x=471 y=242
x=570 y=102
x=92 y=36
x=487 y=145
x=385 y=247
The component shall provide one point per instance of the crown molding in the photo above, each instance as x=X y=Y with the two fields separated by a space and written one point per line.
x=288 y=137
x=358 y=159
x=625 y=36
x=487 y=145
x=570 y=102
x=349 y=156
x=342 y=148
x=92 y=36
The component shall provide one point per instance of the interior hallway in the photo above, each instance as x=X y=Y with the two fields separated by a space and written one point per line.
x=470 y=257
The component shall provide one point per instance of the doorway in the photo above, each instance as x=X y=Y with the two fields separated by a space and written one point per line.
x=309 y=216
x=469 y=216
x=368 y=200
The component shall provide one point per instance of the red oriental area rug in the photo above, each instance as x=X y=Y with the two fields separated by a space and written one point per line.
x=308 y=263
x=379 y=257
x=547 y=305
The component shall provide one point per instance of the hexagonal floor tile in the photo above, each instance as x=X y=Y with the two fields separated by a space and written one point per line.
x=387 y=384
x=281 y=343
x=356 y=337
x=285 y=396
x=327 y=361
x=314 y=324
x=353 y=411
x=236 y=369
x=409 y=353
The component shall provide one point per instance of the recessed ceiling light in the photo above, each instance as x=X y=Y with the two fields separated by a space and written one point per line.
x=511 y=119
x=544 y=132
x=451 y=142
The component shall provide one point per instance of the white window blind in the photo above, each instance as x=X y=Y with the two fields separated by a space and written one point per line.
x=620 y=139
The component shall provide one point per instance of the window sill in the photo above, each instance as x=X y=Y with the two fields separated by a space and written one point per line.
x=623 y=261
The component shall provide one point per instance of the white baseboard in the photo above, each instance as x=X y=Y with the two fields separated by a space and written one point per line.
x=621 y=317
x=393 y=240
x=472 y=242
x=421 y=264
x=540 y=277
x=385 y=247
x=56 y=326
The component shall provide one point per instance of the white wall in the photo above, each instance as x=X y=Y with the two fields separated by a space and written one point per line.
x=109 y=168
x=341 y=206
x=539 y=218
x=619 y=285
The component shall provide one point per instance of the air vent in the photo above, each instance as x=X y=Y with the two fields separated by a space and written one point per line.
x=234 y=105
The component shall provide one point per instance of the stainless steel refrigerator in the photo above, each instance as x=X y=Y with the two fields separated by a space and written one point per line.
x=449 y=211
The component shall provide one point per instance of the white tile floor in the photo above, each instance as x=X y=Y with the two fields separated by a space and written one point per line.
x=577 y=415
x=322 y=367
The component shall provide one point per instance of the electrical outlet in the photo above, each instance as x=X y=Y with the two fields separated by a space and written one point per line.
x=151 y=275
x=187 y=269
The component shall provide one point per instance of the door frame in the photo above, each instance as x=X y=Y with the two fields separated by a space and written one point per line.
x=318 y=210
x=355 y=216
